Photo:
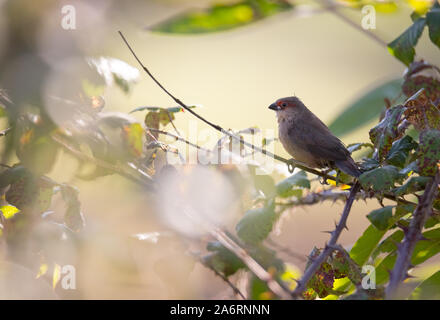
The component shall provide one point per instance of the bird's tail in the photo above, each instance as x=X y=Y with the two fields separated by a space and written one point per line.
x=348 y=166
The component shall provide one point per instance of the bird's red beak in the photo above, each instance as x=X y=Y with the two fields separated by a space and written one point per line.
x=274 y=106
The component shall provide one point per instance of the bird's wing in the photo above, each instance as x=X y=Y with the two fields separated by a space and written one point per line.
x=321 y=143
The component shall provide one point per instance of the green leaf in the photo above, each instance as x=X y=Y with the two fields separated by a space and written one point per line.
x=264 y=183
x=365 y=109
x=433 y=22
x=423 y=250
x=383 y=268
x=429 y=289
x=380 y=179
x=426 y=249
x=403 y=47
x=286 y=188
x=381 y=218
x=413 y=184
x=222 y=17
x=256 y=224
x=428 y=152
x=400 y=150
x=384 y=134
x=365 y=245
x=358 y=146
x=389 y=244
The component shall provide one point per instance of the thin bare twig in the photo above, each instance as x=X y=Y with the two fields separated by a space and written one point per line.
x=412 y=236
x=178 y=138
x=289 y=162
x=330 y=247
x=333 y=8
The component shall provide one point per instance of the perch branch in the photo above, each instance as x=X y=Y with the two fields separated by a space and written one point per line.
x=289 y=162
x=412 y=235
x=330 y=247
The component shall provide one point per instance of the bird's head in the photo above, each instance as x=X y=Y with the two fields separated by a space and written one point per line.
x=285 y=107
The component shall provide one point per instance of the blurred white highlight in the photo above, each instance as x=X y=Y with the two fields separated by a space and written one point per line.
x=195 y=197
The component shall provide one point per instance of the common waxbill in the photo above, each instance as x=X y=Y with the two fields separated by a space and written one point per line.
x=308 y=139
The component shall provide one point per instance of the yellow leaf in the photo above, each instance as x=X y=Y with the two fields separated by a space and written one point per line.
x=9 y=211
x=56 y=275
x=385 y=7
x=290 y=274
x=43 y=269
x=420 y=6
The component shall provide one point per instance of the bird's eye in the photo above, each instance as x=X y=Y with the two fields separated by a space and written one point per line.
x=284 y=104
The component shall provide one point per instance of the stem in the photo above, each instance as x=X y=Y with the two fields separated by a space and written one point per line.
x=412 y=236
x=332 y=244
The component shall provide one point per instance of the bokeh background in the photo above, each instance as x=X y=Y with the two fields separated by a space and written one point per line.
x=234 y=75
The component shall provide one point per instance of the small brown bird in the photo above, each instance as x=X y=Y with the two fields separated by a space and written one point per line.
x=308 y=139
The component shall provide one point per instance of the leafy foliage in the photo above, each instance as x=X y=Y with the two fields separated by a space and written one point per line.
x=402 y=157
x=403 y=46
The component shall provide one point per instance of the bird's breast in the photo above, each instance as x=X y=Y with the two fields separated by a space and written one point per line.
x=290 y=139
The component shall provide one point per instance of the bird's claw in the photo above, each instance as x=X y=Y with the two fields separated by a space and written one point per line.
x=324 y=179
x=290 y=166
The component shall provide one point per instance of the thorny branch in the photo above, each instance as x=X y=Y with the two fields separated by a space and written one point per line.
x=330 y=247
x=412 y=236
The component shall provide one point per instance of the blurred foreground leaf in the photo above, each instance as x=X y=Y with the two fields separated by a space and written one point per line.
x=115 y=71
x=222 y=17
x=428 y=289
x=365 y=109
x=286 y=188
